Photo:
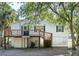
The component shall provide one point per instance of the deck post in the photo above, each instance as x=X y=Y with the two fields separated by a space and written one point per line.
x=8 y=41
x=27 y=42
x=39 y=39
x=24 y=42
x=44 y=39
x=4 y=42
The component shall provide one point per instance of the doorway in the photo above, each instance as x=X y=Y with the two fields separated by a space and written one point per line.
x=33 y=42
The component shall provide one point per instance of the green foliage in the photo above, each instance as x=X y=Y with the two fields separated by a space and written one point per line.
x=7 y=15
x=54 y=12
x=32 y=10
x=36 y=10
x=61 y=13
x=28 y=25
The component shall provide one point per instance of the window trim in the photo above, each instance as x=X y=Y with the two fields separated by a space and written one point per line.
x=61 y=30
x=37 y=29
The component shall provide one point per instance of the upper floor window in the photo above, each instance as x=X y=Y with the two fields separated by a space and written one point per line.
x=26 y=28
x=59 y=28
x=40 y=28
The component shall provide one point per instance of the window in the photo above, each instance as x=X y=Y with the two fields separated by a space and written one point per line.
x=59 y=28
x=40 y=28
x=31 y=28
x=26 y=27
x=26 y=33
x=25 y=30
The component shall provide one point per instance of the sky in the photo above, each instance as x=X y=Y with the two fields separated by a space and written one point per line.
x=16 y=5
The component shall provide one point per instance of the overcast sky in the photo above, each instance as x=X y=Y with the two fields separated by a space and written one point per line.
x=16 y=5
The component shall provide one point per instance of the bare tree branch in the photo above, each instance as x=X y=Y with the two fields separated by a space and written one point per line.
x=73 y=9
x=62 y=3
x=58 y=14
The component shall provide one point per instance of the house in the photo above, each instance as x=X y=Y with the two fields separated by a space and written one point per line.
x=44 y=34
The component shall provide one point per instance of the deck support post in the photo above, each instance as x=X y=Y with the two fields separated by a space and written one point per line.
x=24 y=42
x=4 y=42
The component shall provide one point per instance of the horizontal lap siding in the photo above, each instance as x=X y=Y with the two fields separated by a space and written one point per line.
x=41 y=42
x=18 y=42
x=60 y=40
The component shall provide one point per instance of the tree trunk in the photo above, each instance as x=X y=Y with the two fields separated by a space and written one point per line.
x=77 y=41
x=72 y=35
x=4 y=40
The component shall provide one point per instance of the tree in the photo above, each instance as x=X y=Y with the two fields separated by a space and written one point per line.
x=63 y=11
x=68 y=17
x=7 y=17
x=76 y=30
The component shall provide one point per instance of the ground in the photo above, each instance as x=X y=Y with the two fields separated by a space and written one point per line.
x=35 y=52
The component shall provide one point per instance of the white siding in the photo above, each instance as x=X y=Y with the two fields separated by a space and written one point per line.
x=18 y=42
x=16 y=26
x=59 y=39
x=41 y=42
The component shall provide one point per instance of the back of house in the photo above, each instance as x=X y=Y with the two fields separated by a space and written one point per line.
x=44 y=34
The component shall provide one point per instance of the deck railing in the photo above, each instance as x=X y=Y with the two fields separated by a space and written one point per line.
x=48 y=36
x=18 y=32
x=12 y=32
